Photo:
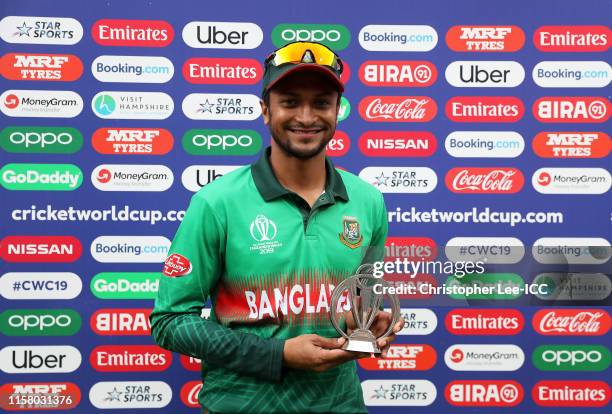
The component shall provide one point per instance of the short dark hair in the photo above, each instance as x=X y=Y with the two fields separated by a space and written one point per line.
x=266 y=98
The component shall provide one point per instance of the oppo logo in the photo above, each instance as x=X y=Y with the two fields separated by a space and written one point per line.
x=339 y=145
x=222 y=142
x=572 y=144
x=39 y=359
x=484 y=109
x=572 y=38
x=397 y=144
x=222 y=71
x=41 y=140
x=40 y=322
x=222 y=35
x=145 y=141
x=571 y=394
x=121 y=322
x=484 y=393
x=571 y=357
x=334 y=36
x=398 y=393
x=473 y=180
x=484 y=321
x=68 y=395
x=403 y=73
x=485 y=38
x=41 y=249
x=40 y=30
x=419 y=357
x=483 y=74
x=134 y=33
x=127 y=358
x=589 y=109
x=41 y=67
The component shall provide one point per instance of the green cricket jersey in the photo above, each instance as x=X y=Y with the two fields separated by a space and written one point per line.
x=269 y=264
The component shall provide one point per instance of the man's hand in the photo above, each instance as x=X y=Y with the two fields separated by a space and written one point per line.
x=379 y=327
x=316 y=353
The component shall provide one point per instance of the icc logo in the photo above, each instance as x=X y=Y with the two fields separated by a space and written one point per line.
x=263 y=229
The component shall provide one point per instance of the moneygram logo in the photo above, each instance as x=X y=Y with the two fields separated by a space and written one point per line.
x=334 y=36
x=339 y=145
x=484 y=109
x=39 y=359
x=121 y=322
x=222 y=35
x=221 y=107
x=40 y=322
x=41 y=67
x=40 y=249
x=418 y=73
x=222 y=142
x=189 y=394
x=398 y=38
x=572 y=109
x=40 y=30
x=125 y=177
x=398 y=393
x=419 y=357
x=571 y=394
x=571 y=250
x=484 y=322
x=222 y=71
x=484 y=357
x=195 y=177
x=132 y=105
x=127 y=285
x=41 y=140
x=418 y=321
x=398 y=108
x=574 y=286
x=484 y=144
x=416 y=180
x=128 y=358
x=132 y=69
x=137 y=33
x=572 y=38
x=130 y=249
x=397 y=144
x=485 y=74
x=130 y=394
x=571 y=180
x=40 y=286
x=485 y=38
x=476 y=180
x=575 y=74
x=40 y=103
x=572 y=322
x=68 y=395
x=571 y=358
x=41 y=177
x=572 y=144
x=483 y=393
x=145 y=141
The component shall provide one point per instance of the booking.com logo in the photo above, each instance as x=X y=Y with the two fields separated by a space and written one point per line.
x=104 y=105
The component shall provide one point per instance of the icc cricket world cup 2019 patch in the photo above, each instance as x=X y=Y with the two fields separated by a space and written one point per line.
x=351 y=232
x=176 y=265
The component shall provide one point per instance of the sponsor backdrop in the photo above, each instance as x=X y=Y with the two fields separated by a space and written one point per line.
x=485 y=126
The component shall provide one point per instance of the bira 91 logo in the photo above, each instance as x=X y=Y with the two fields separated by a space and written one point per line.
x=484 y=321
x=137 y=33
x=418 y=73
x=40 y=30
x=397 y=144
x=483 y=393
x=398 y=108
x=475 y=180
x=222 y=71
x=128 y=358
x=189 y=394
x=339 y=145
x=571 y=109
x=572 y=38
x=143 y=141
x=485 y=38
x=41 y=67
x=26 y=396
x=572 y=322
x=484 y=109
x=565 y=393
x=572 y=144
x=121 y=322
x=419 y=357
x=40 y=249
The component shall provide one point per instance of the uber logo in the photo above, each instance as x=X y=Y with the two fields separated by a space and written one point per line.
x=503 y=74
x=222 y=35
x=39 y=359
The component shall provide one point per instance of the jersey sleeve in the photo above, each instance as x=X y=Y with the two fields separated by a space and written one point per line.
x=191 y=271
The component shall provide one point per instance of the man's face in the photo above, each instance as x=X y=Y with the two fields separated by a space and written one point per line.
x=302 y=114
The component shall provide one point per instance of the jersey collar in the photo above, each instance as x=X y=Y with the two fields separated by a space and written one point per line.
x=268 y=186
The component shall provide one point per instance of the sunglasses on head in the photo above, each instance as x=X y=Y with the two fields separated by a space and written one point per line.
x=306 y=52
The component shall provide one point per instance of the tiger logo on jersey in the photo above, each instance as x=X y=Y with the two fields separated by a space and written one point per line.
x=351 y=232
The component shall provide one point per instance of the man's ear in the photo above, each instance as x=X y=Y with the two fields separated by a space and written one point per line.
x=265 y=112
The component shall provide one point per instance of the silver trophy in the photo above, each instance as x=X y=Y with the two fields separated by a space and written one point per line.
x=364 y=306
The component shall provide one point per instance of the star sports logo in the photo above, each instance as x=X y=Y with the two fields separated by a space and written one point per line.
x=206 y=107
x=23 y=30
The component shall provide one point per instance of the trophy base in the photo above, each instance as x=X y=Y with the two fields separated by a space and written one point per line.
x=362 y=340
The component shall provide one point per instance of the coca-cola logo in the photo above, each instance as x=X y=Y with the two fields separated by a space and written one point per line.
x=469 y=180
x=587 y=322
x=189 y=393
x=484 y=321
x=398 y=108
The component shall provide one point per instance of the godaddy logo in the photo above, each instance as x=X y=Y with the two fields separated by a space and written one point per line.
x=41 y=177
x=51 y=140
x=334 y=36
x=222 y=142
x=39 y=322
x=132 y=285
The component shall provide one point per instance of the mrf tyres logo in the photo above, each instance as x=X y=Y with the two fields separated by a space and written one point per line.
x=41 y=67
x=39 y=396
x=485 y=38
x=146 y=141
x=570 y=144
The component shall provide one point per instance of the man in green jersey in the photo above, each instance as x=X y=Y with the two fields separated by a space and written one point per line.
x=268 y=243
